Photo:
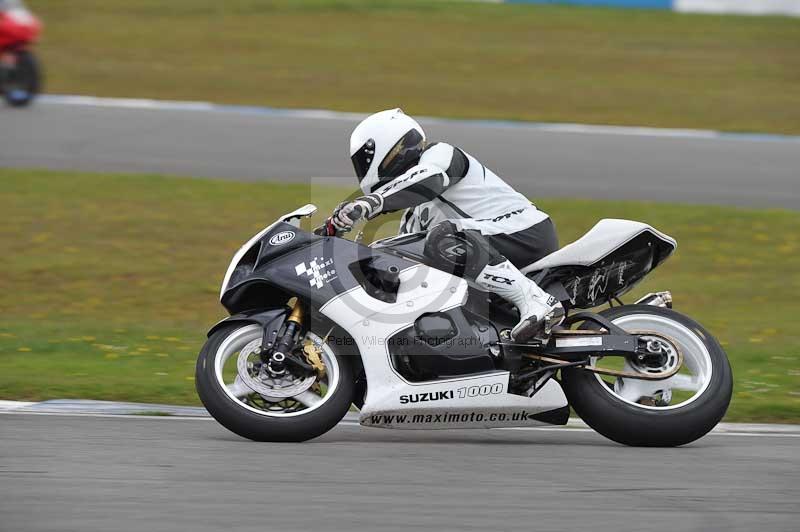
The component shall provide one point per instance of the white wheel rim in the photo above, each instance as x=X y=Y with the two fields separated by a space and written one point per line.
x=696 y=362
x=239 y=338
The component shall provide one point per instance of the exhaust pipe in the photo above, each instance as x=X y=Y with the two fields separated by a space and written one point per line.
x=657 y=299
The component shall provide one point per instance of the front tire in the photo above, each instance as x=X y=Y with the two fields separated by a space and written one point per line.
x=252 y=416
x=635 y=412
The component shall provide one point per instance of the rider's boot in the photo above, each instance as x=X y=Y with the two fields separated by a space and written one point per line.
x=539 y=312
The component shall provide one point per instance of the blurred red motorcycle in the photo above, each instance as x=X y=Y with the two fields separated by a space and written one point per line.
x=20 y=75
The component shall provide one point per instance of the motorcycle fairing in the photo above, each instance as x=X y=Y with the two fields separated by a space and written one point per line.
x=432 y=404
x=272 y=319
x=18 y=26
x=256 y=241
x=604 y=264
x=410 y=245
x=318 y=269
x=283 y=260
x=599 y=242
x=440 y=405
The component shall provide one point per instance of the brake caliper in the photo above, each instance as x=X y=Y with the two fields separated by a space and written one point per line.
x=314 y=357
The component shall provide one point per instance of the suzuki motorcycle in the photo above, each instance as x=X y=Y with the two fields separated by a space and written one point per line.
x=20 y=76
x=319 y=323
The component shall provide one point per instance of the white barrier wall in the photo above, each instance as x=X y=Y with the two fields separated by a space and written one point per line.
x=738 y=7
x=742 y=7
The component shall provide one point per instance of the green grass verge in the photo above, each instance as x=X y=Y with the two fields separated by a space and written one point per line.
x=474 y=60
x=109 y=282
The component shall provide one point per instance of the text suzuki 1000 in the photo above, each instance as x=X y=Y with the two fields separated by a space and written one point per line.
x=319 y=323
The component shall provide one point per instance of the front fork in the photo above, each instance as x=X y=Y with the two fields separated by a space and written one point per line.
x=282 y=354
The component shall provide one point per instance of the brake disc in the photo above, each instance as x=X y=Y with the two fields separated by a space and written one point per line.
x=256 y=376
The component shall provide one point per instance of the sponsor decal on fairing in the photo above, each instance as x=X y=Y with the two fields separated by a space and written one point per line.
x=466 y=391
x=449 y=417
x=319 y=271
x=281 y=238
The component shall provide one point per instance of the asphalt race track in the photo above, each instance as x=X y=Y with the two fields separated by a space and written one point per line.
x=109 y=474
x=253 y=144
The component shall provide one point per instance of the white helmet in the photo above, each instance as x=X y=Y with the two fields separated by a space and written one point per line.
x=385 y=144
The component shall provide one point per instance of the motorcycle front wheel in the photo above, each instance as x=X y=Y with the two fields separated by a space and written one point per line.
x=23 y=80
x=661 y=413
x=254 y=405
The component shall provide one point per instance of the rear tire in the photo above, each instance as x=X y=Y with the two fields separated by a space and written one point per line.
x=263 y=426
x=24 y=80
x=652 y=426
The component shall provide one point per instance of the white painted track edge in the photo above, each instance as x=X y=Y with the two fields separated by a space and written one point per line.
x=317 y=114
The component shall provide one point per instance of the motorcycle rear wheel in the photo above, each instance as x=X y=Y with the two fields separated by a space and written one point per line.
x=23 y=81
x=245 y=412
x=649 y=413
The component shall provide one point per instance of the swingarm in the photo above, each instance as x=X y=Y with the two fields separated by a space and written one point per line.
x=648 y=356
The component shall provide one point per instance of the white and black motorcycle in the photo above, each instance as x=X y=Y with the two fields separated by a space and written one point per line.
x=319 y=323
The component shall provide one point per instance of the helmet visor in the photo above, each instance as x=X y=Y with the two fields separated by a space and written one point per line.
x=403 y=155
x=363 y=158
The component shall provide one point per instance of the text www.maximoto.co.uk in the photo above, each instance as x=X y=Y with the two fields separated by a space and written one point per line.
x=447 y=417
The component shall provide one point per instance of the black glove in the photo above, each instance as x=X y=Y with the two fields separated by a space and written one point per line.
x=350 y=212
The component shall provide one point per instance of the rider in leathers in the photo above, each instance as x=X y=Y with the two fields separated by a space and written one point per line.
x=477 y=225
